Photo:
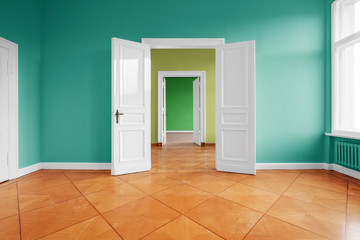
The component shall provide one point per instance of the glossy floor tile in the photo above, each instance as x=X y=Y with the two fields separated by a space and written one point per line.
x=250 y=197
x=228 y=219
x=47 y=196
x=210 y=183
x=41 y=222
x=137 y=219
x=323 y=221
x=9 y=228
x=92 y=229
x=182 y=228
x=318 y=196
x=182 y=197
x=114 y=197
x=270 y=228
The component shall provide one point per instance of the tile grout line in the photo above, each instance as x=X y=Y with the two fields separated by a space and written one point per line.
x=67 y=226
x=289 y=222
x=18 y=201
x=271 y=206
x=94 y=208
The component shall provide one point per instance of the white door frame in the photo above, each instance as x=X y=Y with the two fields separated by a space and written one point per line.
x=13 y=155
x=199 y=74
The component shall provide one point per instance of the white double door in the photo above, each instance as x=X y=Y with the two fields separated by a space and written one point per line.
x=235 y=107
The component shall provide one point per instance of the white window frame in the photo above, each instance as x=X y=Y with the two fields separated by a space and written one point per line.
x=336 y=45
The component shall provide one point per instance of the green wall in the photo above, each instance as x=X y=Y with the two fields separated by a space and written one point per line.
x=20 y=22
x=65 y=79
x=290 y=63
x=179 y=103
x=184 y=60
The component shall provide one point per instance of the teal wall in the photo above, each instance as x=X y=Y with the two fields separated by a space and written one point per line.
x=65 y=78
x=179 y=103
x=290 y=55
x=20 y=22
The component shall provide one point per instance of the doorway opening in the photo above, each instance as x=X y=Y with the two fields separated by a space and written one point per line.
x=197 y=133
x=234 y=104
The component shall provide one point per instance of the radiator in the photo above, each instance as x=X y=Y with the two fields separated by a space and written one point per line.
x=347 y=154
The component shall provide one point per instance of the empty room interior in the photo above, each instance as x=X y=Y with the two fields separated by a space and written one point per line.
x=180 y=120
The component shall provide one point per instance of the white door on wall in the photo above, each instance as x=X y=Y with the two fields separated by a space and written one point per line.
x=235 y=108
x=164 y=113
x=130 y=107
x=4 y=114
x=196 y=112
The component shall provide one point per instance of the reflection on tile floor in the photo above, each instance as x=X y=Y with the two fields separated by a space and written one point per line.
x=182 y=197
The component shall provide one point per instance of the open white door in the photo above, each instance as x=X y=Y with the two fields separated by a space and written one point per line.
x=4 y=114
x=196 y=112
x=235 y=108
x=130 y=107
x=164 y=112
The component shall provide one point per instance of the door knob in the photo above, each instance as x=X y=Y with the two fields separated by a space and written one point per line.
x=117 y=114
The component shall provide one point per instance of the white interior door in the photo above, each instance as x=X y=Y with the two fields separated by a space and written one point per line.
x=4 y=114
x=235 y=108
x=196 y=112
x=130 y=107
x=164 y=112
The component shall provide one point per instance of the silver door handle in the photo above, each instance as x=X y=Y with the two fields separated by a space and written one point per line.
x=117 y=114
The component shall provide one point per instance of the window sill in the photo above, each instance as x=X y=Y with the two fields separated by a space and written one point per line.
x=342 y=136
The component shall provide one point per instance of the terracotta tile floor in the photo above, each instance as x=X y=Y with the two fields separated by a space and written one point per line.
x=182 y=197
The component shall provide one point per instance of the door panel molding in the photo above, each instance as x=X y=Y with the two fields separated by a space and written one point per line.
x=235 y=108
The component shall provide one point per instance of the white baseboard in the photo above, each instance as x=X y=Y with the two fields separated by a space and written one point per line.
x=80 y=166
x=294 y=166
x=29 y=169
x=259 y=166
x=289 y=166
x=345 y=170
x=62 y=165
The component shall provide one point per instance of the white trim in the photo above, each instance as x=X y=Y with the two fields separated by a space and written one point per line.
x=83 y=166
x=259 y=166
x=342 y=136
x=290 y=166
x=188 y=43
x=13 y=108
x=179 y=131
x=63 y=165
x=29 y=169
x=202 y=76
x=336 y=46
x=344 y=170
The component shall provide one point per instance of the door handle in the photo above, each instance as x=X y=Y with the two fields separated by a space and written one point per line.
x=117 y=114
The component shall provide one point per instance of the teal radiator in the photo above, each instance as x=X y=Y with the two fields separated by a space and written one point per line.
x=347 y=154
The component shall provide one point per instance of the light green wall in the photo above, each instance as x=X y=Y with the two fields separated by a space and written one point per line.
x=20 y=22
x=184 y=60
x=179 y=103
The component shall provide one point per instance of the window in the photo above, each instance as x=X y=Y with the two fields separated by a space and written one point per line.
x=346 y=67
